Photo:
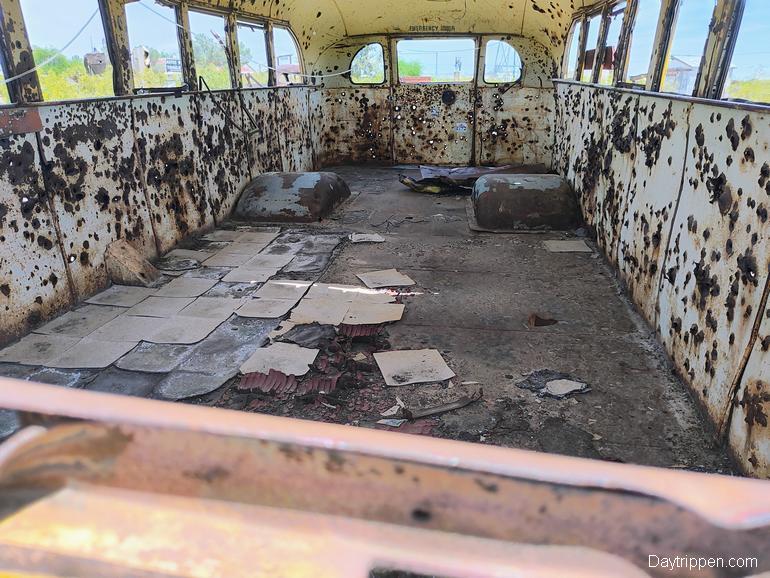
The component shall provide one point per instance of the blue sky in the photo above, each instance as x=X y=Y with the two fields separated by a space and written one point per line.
x=437 y=56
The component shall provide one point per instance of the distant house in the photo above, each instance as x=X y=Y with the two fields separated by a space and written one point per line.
x=680 y=76
x=95 y=62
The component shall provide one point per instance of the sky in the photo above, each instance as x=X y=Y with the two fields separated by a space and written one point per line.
x=52 y=23
x=437 y=56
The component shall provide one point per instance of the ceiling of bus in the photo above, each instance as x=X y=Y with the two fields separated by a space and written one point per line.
x=321 y=23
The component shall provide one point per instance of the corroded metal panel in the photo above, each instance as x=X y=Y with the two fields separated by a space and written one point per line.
x=717 y=264
x=514 y=126
x=433 y=123
x=93 y=179
x=224 y=166
x=264 y=152
x=17 y=53
x=33 y=276
x=352 y=125
x=616 y=171
x=661 y=132
x=292 y=123
x=586 y=165
x=749 y=434
x=567 y=121
x=168 y=144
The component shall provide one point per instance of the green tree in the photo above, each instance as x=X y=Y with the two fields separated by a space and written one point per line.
x=409 y=68
x=368 y=66
x=208 y=50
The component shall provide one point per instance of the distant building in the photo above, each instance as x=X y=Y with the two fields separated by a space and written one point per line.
x=95 y=63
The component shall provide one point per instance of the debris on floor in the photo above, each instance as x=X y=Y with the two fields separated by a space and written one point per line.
x=309 y=335
x=385 y=278
x=392 y=422
x=546 y=382
x=286 y=358
x=366 y=238
x=373 y=313
x=412 y=366
x=535 y=320
x=460 y=402
x=185 y=384
x=435 y=185
x=569 y=246
x=127 y=266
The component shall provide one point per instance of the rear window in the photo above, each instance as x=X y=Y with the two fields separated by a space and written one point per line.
x=428 y=60
x=69 y=69
x=502 y=64
x=368 y=65
x=748 y=77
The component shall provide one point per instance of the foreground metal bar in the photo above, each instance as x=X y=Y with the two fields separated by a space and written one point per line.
x=162 y=487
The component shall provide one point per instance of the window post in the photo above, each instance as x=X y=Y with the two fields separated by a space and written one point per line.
x=113 y=14
x=723 y=32
x=17 y=54
x=272 y=78
x=185 y=46
x=666 y=22
x=581 y=50
x=601 y=42
x=621 y=58
x=233 y=50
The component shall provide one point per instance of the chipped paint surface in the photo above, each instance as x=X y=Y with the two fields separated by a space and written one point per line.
x=92 y=178
x=678 y=193
x=33 y=279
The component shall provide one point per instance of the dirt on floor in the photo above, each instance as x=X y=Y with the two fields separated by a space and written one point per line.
x=480 y=300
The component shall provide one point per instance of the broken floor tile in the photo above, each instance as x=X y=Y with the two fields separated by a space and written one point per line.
x=265 y=237
x=186 y=287
x=185 y=384
x=569 y=246
x=121 y=296
x=212 y=307
x=127 y=328
x=373 y=313
x=9 y=423
x=64 y=377
x=208 y=272
x=251 y=249
x=412 y=366
x=246 y=275
x=267 y=262
x=349 y=293
x=36 y=349
x=283 y=289
x=366 y=238
x=88 y=353
x=229 y=345
x=308 y=263
x=221 y=235
x=183 y=330
x=17 y=370
x=317 y=244
x=265 y=308
x=196 y=255
x=81 y=322
x=285 y=358
x=385 y=278
x=154 y=357
x=121 y=382
x=221 y=259
x=325 y=311
x=159 y=306
x=560 y=388
x=308 y=335
x=231 y=290
x=536 y=380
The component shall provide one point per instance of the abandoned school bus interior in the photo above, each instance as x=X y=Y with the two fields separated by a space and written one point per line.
x=538 y=226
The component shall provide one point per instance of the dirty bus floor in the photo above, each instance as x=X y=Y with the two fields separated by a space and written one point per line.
x=473 y=300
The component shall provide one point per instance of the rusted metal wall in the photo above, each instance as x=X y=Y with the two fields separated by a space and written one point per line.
x=677 y=193
x=33 y=277
x=150 y=170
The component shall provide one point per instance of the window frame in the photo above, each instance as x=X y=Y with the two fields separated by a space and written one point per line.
x=581 y=40
x=230 y=57
x=481 y=73
x=301 y=57
x=384 y=66
x=254 y=22
x=476 y=38
x=158 y=89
